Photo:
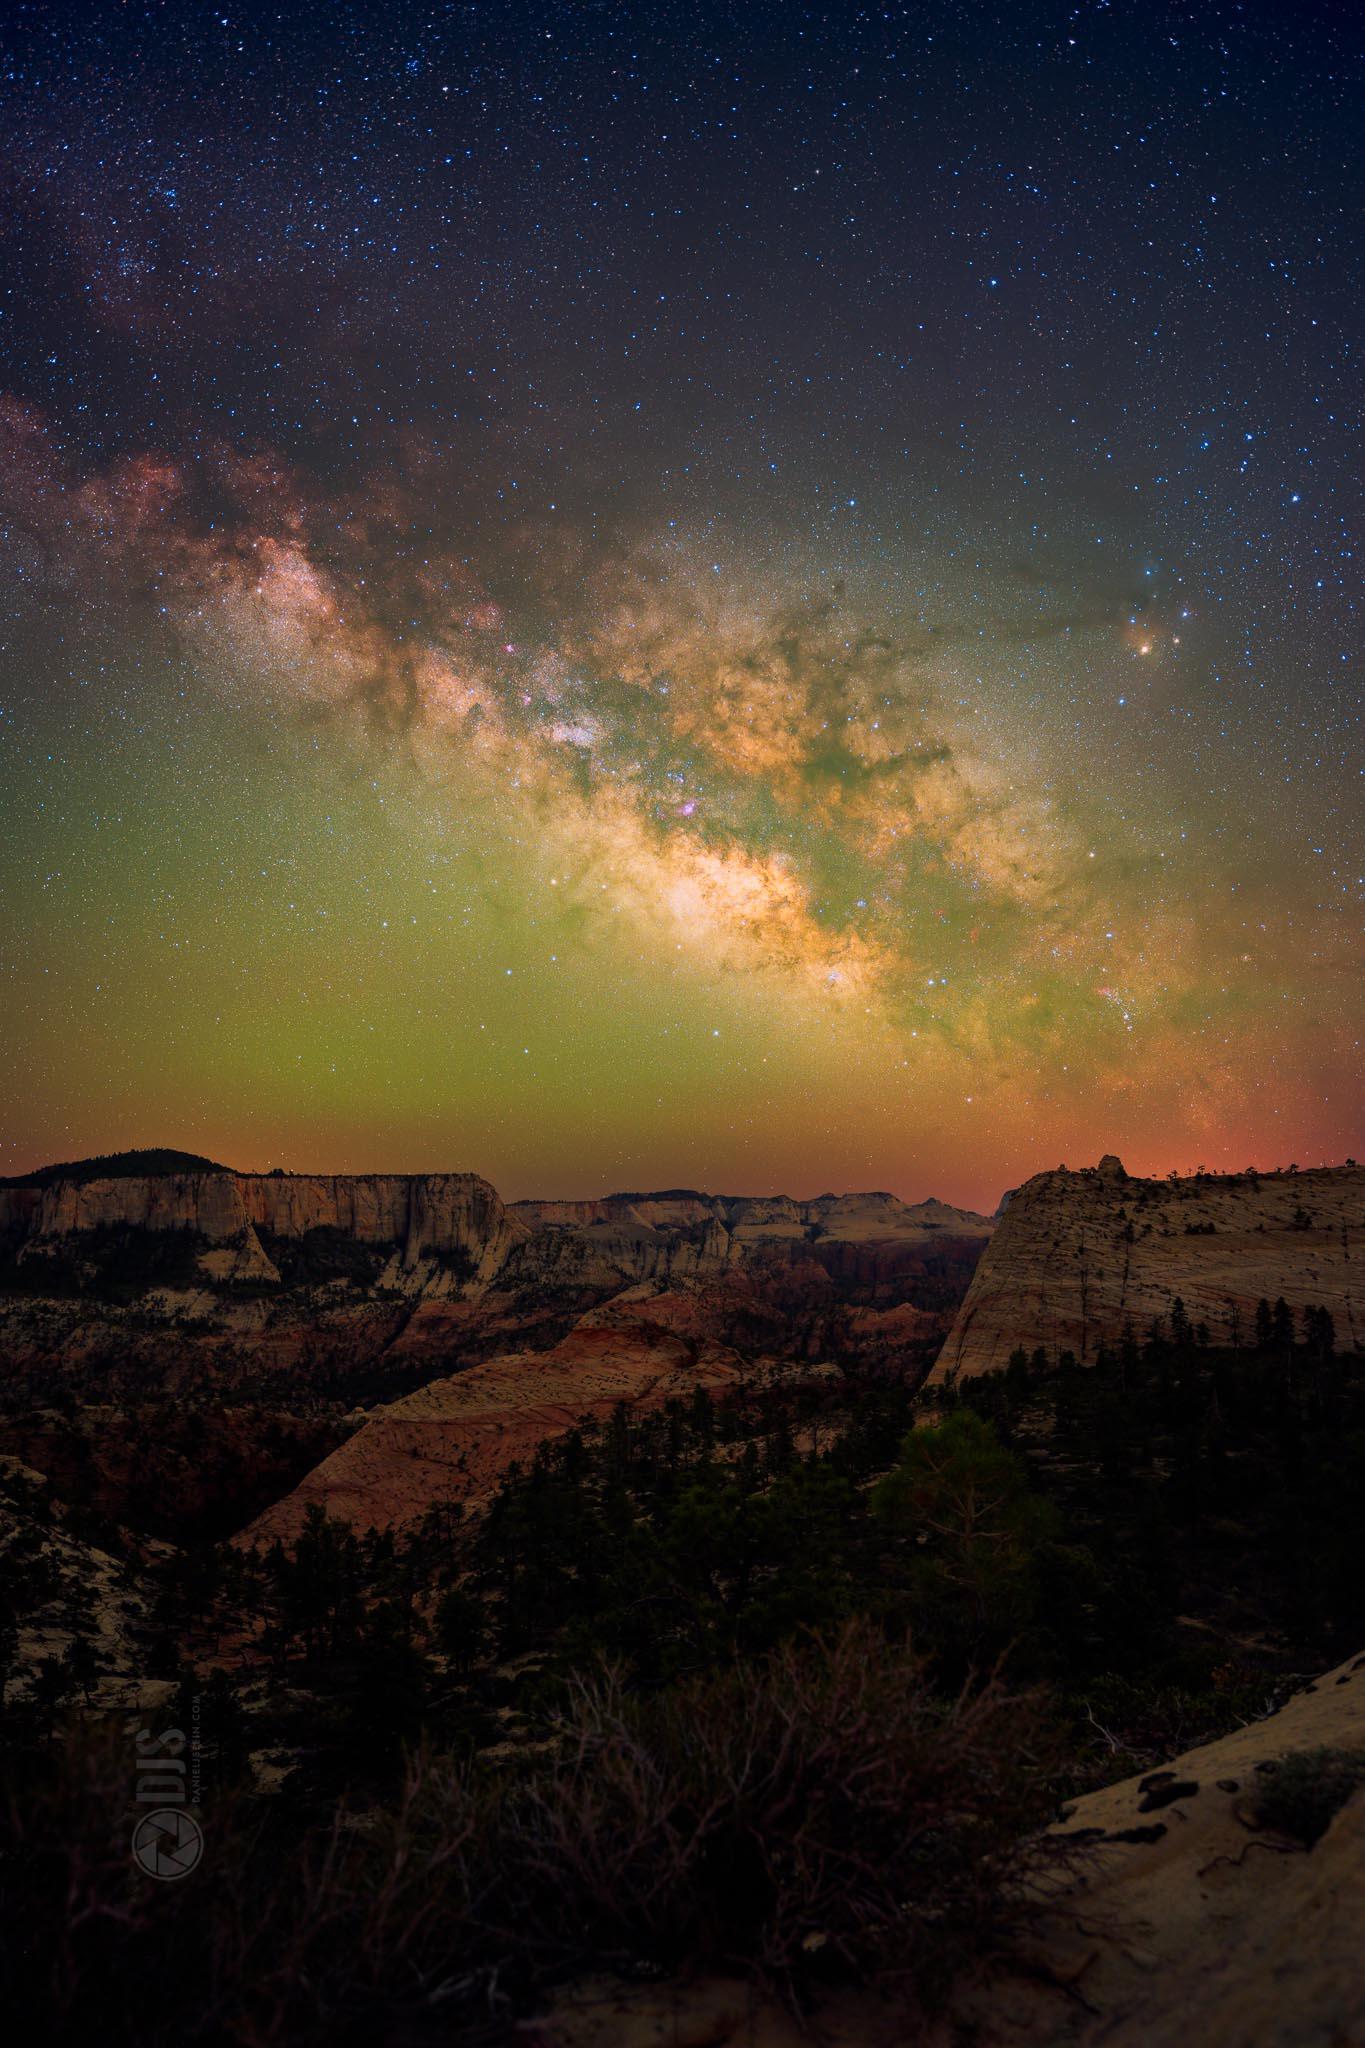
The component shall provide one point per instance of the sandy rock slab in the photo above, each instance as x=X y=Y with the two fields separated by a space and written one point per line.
x=451 y=1441
x=1189 y=1924
x=1080 y=1258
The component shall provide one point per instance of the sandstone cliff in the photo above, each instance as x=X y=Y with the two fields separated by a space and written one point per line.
x=445 y=1234
x=423 y=1217
x=673 y=1209
x=604 y=1256
x=452 y=1441
x=866 y=1240
x=749 y=1218
x=1078 y=1257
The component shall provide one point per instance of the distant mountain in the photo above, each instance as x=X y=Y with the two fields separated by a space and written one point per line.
x=114 y=1166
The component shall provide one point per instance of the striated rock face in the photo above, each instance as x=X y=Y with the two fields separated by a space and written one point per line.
x=1078 y=1257
x=452 y=1440
x=358 y=1275
x=605 y=1256
x=210 y=1203
x=559 y=1245
x=870 y=1243
x=423 y=1216
x=858 y=1218
x=748 y=1218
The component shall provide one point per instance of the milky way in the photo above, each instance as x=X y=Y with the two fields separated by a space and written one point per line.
x=727 y=596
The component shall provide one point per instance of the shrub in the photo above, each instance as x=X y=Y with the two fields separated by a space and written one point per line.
x=818 y=1809
x=822 y=1801
x=1306 y=1789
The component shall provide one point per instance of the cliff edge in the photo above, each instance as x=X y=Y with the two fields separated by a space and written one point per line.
x=1079 y=1257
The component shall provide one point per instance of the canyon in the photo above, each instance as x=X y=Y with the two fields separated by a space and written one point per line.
x=446 y=1333
x=346 y=1451
x=461 y=1331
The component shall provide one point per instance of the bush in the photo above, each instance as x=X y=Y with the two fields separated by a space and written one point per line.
x=820 y=1809
x=821 y=1802
x=1306 y=1789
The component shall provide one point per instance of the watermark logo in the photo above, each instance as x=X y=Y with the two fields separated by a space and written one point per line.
x=168 y=1842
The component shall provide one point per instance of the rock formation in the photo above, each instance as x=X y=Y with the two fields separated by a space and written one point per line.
x=867 y=1241
x=748 y=1218
x=1188 y=1921
x=450 y=1234
x=120 y=1282
x=1078 y=1258
x=452 y=1440
x=423 y=1217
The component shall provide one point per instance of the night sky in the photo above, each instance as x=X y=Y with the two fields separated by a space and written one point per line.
x=745 y=596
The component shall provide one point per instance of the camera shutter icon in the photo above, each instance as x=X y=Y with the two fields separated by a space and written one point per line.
x=168 y=1843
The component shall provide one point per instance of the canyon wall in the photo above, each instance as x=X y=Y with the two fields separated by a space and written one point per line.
x=445 y=1234
x=750 y=1217
x=869 y=1242
x=420 y=1215
x=1078 y=1257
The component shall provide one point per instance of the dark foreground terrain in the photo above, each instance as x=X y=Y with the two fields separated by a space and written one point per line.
x=685 y=1636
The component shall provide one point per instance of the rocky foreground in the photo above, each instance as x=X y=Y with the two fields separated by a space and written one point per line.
x=1080 y=1258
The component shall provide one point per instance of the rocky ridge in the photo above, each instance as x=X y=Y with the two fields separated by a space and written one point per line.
x=424 y=1218
x=1078 y=1258
x=450 y=1443
x=451 y=1234
x=748 y=1217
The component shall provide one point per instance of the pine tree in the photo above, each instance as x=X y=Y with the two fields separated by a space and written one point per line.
x=1282 y=1327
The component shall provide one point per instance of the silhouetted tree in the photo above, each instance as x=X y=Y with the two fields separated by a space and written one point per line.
x=461 y=1627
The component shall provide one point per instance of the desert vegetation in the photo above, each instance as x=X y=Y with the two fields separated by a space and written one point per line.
x=820 y=1808
x=114 y=1166
x=1300 y=1794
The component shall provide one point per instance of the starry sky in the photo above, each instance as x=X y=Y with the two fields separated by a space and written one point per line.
x=735 y=595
